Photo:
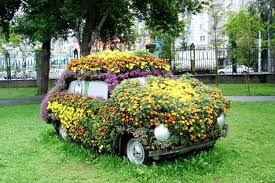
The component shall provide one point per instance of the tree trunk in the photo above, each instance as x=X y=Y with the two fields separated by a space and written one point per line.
x=87 y=31
x=84 y=46
x=44 y=68
x=91 y=31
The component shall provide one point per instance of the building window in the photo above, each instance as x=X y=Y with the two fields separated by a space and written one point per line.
x=202 y=38
x=200 y=26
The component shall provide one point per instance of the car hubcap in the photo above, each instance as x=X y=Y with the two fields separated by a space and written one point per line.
x=63 y=133
x=135 y=151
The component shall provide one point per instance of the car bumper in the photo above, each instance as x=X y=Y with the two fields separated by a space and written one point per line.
x=186 y=149
x=182 y=149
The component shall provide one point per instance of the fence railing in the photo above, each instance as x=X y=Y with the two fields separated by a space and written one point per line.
x=25 y=68
x=224 y=60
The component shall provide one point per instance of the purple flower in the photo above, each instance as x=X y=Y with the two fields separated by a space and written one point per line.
x=43 y=107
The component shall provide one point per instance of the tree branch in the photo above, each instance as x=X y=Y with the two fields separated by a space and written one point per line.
x=98 y=28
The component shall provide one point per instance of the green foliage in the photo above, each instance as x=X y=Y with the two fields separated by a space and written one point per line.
x=7 y=11
x=163 y=15
x=36 y=23
x=243 y=28
x=165 y=44
x=141 y=53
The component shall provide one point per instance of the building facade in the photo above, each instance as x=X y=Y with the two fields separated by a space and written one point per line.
x=200 y=29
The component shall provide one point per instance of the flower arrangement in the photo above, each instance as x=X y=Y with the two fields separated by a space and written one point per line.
x=109 y=66
x=185 y=105
x=116 y=62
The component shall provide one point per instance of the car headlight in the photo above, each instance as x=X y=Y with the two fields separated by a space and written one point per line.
x=162 y=133
x=221 y=120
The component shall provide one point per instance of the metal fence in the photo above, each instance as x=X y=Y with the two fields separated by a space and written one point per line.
x=25 y=68
x=224 y=60
x=195 y=60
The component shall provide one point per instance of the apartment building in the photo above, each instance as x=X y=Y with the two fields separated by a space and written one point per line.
x=200 y=28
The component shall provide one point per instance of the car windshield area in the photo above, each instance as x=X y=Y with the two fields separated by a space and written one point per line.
x=95 y=89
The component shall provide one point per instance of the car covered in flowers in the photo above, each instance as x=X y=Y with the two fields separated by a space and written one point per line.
x=130 y=104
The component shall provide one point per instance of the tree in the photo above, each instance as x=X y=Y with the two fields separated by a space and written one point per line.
x=216 y=15
x=107 y=18
x=39 y=25
x=7 y=11
x=265 y=10
x=242 y=29
x=165 y=34
x=42 y=20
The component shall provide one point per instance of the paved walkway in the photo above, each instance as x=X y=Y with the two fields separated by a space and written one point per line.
x=37 y=100
x=33 y=100
x=251 y=98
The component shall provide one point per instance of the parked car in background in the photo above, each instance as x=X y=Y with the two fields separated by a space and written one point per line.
x=240 y=69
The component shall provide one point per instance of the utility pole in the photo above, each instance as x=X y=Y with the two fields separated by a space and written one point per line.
x=259 y=51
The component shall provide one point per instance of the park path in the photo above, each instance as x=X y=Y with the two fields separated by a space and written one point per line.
x=251 y=98
x=32 y=100
x=37 y=100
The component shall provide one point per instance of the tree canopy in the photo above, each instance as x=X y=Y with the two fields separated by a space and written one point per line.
x=7 y=11
x=91 y=20
x=243 y=28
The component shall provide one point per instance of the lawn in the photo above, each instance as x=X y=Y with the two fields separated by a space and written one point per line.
x=227 y=89
x=16 y=93
x=31 y=152
x=256 y=89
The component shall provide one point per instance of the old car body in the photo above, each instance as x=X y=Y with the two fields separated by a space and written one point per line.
x=140 y=116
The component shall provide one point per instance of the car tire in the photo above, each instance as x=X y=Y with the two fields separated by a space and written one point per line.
x=221 y=73
x=61 y=131
x=136 y=152
x=244 y=72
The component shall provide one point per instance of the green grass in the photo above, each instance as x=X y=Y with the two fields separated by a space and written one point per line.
x=31 y=152
x=17 y=93
x=256 y=89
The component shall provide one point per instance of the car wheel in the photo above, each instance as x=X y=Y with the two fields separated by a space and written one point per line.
x=244 y=72
x=61 y=131
x=221 y=73
x=136 y=152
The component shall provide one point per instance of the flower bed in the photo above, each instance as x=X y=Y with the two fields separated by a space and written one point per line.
x=109 y=66
x=116 y=62
x=187 y=107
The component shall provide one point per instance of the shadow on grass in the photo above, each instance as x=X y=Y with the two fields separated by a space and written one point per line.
x=199 y=163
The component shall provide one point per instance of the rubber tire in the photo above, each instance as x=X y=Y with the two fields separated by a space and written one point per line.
x=58 y=127
x=221 y=73
x=145 y=160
